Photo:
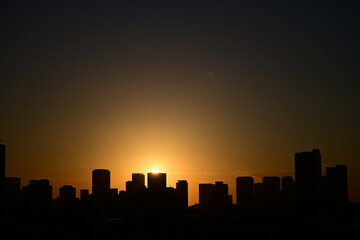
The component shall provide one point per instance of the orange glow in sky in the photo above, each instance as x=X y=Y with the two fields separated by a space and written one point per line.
x=227 y=91
x=155 y=170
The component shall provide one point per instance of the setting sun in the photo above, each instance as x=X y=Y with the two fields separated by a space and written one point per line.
x=155 y=170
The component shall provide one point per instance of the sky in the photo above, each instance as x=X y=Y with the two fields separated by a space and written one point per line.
x=202 y=90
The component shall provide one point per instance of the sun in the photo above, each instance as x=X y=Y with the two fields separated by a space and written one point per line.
x=155 y=170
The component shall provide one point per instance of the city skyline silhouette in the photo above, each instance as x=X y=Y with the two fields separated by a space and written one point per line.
x=233 y=102
x=308 y=189
x=288 y=201
x=209 y=90
x=298 y=164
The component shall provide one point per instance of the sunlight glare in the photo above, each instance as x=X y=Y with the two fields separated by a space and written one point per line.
x=155 y=170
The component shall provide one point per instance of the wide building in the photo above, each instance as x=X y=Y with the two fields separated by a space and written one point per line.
x=214 y=196
x=156 y=181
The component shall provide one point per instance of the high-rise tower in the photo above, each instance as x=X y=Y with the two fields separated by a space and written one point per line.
x=100 y=183
x=308 y=180
x=182 y=192
x=156 y=181
x=244 y=191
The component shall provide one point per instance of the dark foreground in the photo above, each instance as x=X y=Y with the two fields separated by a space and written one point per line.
x=186 y=227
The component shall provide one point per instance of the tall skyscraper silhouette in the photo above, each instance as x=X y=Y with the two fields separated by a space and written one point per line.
x=156 y=181
x=2 y=175
x=100 y=183
x=244 y=191
x=206 y=194
x=182 y=192
x=308 y=180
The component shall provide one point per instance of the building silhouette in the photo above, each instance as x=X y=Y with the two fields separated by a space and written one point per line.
x=138 y=180
x=12 y=192
x=162 y=199
x=2 y=174
x=113 y=193
x=100 y=184
x=182 y=193
x=206 y=192
x=37 y=196
x=222 y=194
x=287 y=184
x=67 y=193
x=214 y=197
x=308 y=181
x=156 y=181
x=336 y=187
x=271 y=187
x=271 y=193
x=244 y=191
x=84 y=195
x=129 y=186
x=135 y=196
x=136 y=184
x=287 y=194
x=309 y=194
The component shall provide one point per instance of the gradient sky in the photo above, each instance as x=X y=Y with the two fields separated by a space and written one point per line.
x=203 y=91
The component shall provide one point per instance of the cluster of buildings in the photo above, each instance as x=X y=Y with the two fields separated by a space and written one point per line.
x=36 y=197
x=308 y=193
